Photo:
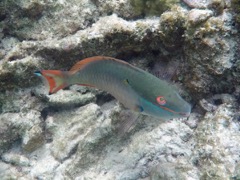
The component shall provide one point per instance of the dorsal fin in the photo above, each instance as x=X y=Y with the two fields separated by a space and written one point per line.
x=79 y=65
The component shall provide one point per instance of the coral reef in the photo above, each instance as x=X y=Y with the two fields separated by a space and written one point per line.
x=74 y=134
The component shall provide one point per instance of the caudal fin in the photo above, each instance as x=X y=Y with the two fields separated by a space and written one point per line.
x=55 y=78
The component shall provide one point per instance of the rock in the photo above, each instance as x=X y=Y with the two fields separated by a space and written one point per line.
x=172 y=26
x=43 y=163
x=196 y=16
x=121 y=8
x=2 y=53
x=20 y=121
x=166 y=171
x=237 y=172
x=217 y=5
x=8 y=131
x=235 y=6
x=84 y=43
x=9 y=43
x=207 y=106
x=127 y=156
x=70 y=99
x=142 y=7
x=207 y=45
x=217 y=143
x=33 y=139
x=197 y=3
x=9 y=172
x=83 y=122
x=32 y=8
x=224 y=98
x=15 y=159
x=193 y=120
x=3 y=168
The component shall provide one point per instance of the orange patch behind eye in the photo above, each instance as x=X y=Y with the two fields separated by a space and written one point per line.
x=161 y=100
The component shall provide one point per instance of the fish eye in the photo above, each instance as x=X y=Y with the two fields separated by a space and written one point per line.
x=161 y=100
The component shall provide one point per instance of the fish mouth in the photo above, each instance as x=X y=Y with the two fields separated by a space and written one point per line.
x=184 y=114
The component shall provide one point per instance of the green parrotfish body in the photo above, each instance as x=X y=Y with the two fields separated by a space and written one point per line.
x=136 y=89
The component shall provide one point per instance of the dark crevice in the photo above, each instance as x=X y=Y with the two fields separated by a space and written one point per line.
x=72 y=152
x=14 y=58
x=125 y=55
x=217 y=101
x=103 y=98
x=32 y=94
x=156 y=52
x=3 y=17
x=46 y=111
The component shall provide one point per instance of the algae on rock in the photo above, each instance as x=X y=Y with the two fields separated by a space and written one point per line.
x=213 y=152
x=152 y=7
x=172 y=27
x=210 y=47
x=236 y=8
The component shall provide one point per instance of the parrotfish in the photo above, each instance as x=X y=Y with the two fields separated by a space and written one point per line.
x=135 y=88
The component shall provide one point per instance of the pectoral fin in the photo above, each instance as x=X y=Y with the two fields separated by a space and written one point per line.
x=126 y=82
x=127 y=121
x=138 y=108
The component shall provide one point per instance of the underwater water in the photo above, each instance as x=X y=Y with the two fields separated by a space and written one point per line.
x=168 y=110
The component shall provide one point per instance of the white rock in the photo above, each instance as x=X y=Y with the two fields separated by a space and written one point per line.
x=196 y=16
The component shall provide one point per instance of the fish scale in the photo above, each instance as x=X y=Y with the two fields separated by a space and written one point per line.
x=110 y=80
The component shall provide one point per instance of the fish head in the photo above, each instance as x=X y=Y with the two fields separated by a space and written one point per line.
x=166 y=105
x=174 y=105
